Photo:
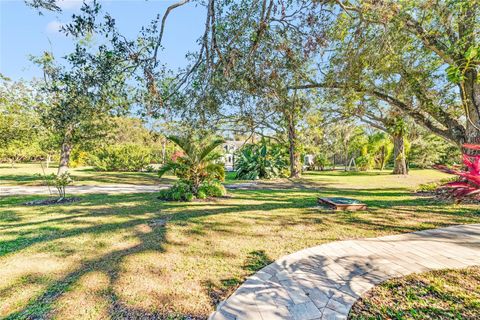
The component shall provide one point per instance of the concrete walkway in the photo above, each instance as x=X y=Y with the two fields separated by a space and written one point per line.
x=108 y=189
x=323 y=282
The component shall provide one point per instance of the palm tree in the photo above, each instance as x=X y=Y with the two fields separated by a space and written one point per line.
x=197 y=163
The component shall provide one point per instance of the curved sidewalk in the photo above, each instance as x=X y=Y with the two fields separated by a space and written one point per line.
x=323 y=282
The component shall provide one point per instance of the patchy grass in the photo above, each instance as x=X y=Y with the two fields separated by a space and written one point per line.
x=373 y=179
x=445 y=294
x=106 y=256
x=30 y=174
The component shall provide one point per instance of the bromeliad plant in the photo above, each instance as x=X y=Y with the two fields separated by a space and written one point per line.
x=197 y=168
x=468 y=186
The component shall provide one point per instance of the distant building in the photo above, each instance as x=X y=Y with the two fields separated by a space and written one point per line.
x=230 y=148
x=308 y=160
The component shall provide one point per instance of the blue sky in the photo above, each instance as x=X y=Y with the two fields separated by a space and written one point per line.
x=23 y=32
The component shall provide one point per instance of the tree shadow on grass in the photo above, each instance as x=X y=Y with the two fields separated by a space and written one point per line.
x=147 y=203
x=108 y=264
x=254 y=261
x=139 y=209
x=20 y=179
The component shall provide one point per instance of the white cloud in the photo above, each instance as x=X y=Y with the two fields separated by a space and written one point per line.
x=71 y=4
x=54 y=26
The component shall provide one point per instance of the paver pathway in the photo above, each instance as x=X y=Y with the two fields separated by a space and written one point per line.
x=110 y=189
x=323 y=282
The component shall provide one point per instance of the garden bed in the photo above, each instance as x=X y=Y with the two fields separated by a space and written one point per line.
x=51 y=201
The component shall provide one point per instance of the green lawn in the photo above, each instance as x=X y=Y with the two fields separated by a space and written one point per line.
x=132 y=256
x=443 y=294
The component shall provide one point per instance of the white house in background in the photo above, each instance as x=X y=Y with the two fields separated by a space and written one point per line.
x=230 y=147
x=308 y=160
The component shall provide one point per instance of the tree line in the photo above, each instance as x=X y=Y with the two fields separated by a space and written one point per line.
x=263 y=65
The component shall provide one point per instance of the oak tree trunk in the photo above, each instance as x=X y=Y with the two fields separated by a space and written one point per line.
x=64 y=158
x=400 y=162
x=295 y=164
x=470 y=91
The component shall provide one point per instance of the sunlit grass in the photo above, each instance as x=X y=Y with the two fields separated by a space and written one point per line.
x=442 y=294
x=134 y=256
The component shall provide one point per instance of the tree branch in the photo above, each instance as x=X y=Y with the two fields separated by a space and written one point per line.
x=162 y=27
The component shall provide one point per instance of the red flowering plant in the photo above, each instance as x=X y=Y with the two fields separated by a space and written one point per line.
x=468 y=184
x=177 y=154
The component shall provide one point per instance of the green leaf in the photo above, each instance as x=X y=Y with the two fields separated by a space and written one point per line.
x=471 y=53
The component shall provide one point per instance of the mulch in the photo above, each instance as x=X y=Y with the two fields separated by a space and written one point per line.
x=51 y=201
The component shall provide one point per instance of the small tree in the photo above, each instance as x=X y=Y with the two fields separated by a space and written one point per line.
x=87 y=88
x=197 y=164
x=60 y=182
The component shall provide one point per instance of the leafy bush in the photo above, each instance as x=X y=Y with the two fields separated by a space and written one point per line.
x=182 y=191
x=321 y=161
x=126 y=157
x=213 y=189
x=364 y=162
x=79 y=158
x=260 y=161
x=177 y=192
x=59 y=182
x=429 y=150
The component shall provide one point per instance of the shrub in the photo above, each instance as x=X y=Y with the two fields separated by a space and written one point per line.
x=178 y=192
x=59 y=182
x=213 y=189
x=321 y=161
x=126 y=157
x=260 y=161
x=79 y=158
x=189 y=196
x=182 y=191
x=364 y=162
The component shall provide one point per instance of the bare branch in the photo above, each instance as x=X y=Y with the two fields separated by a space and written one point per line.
x=162 y=27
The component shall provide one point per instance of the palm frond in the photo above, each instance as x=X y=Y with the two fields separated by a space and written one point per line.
x=210 y=147
x=168 y=167
x=217 y=170
x=183 y=143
